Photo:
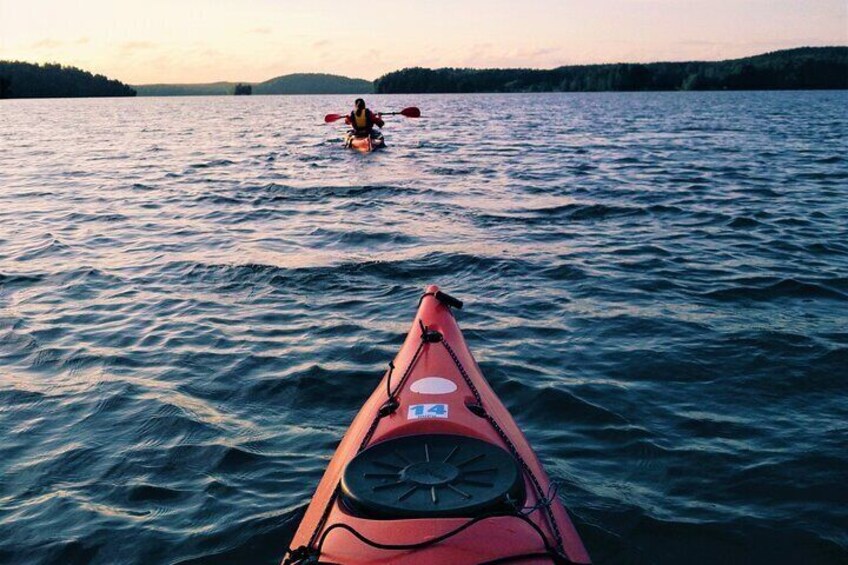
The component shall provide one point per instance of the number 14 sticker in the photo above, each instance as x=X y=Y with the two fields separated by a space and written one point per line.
x=418 y=411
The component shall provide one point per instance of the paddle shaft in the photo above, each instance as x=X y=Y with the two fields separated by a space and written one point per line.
x=411 y=112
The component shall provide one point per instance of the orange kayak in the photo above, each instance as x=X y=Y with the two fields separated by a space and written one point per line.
x=365 y=144
x=433 y=469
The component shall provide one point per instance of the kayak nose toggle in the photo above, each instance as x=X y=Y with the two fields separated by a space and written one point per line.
x=443 y=297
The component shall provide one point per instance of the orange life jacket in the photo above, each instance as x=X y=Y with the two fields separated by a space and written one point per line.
x=363 y=121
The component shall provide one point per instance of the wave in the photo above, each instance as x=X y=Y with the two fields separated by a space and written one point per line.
x=769 y=288
x=346 y=273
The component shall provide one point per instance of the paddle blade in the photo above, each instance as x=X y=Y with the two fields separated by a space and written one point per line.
x=411 y=112
x=330 y=118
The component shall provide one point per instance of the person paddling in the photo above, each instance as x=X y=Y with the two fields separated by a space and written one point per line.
x=362 y=135
x=363 y=120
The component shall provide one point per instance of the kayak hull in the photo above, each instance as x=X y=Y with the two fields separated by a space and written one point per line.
x=365 y=144
x=435 y=372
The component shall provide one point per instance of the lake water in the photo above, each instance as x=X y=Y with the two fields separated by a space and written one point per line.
x=198 y=294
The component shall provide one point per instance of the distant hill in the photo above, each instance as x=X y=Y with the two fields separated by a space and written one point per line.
x=300 y=83
x=27 y=80
x=792 y=69
x=314 y=83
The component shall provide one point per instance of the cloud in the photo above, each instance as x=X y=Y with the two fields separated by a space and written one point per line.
x=261 y=30
x=210 y=53
x=47 y=44
x=321 y=44
x=544 y=52
x=137 y=45
x=489 y=55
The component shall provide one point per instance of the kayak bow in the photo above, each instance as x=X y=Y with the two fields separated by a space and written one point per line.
x=433 y=469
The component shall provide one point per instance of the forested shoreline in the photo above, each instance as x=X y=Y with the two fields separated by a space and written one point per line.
x=27 y=80
x=793 y=69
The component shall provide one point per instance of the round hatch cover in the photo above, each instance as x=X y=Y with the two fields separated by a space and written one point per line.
x=433 y=475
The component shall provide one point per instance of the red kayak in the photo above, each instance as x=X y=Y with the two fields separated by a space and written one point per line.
x=434 y=470
x=365 y=144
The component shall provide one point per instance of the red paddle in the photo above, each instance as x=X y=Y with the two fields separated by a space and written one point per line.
x=411 y=112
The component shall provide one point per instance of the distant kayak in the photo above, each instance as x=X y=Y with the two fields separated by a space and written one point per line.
x=375 y=141
x=433 y=469
x=366 y=143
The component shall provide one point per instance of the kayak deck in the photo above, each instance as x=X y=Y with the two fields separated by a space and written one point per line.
x=365 y=144
x=434 y=469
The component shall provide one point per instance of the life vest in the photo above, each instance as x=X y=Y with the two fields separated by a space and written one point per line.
x=363 y=122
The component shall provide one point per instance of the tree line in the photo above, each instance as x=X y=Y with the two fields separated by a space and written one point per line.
x=802 y=68
x=793 y=69
x=27 y=80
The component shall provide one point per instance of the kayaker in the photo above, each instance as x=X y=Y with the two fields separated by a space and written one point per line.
x=363 y=120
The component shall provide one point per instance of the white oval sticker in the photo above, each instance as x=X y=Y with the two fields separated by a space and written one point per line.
x=433 y=385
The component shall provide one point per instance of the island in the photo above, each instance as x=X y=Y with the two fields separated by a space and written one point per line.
x=242 y=89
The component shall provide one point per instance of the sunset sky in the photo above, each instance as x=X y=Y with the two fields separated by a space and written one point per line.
x=253 y=40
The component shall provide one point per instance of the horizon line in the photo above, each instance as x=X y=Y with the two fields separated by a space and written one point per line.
x=654 y=62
